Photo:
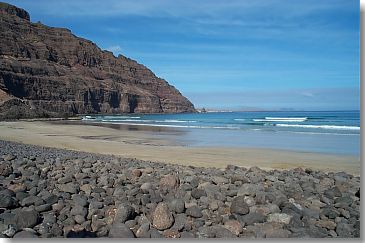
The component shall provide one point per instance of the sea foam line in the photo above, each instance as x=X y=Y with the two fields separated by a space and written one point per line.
x=320 y=126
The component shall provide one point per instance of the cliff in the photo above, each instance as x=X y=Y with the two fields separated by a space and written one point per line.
x=46 y=71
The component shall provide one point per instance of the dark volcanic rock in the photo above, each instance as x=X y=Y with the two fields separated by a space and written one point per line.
x=120 y=230
x=63 y=193
x=239 y=206
x=46 y=71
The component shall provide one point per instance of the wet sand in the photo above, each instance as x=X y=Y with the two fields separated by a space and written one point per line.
x=147 y=144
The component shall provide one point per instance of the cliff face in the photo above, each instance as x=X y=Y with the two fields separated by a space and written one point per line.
x=47 y=71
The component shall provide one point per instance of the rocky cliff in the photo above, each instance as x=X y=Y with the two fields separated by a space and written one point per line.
x=46 y=71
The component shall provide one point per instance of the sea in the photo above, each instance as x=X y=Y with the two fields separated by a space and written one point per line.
x=331 y=132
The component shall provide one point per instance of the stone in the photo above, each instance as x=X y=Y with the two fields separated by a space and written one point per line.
x=120 y=230
x=32 y=200
x=86 y=188
x=251 y=218
x=79 y=210
x=124 y=213
x=64 y=180
x=198 y=193
x=169 y=181
x=146 y=186
x=328 y=224
x=71 y=187
x=6 y=201
x=25 y=234
x=344 y=230
x=177 y=205
x=238 y=206
x=143 y=231
x=171 y=233
x=5 y=169
x=79 y=200
x=162 y=217
x=9 y=157
x=221 y=232
x=26 y=218
x=279 y=218
x=136 y=173
x=179 y=223
x=234 y=226
x=194 y=212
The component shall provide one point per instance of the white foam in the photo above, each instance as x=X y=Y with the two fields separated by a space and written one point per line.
x=320 y=126
x=239 y=119
x=129 y=120
x=176 y=121
x=281 y=119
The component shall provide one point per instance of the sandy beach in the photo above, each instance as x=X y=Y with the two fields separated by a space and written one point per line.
x=147 y=144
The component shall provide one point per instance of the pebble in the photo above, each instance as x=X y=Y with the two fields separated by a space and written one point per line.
x=62 y=193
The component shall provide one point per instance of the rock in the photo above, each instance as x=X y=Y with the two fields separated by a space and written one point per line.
x=9 y=157
x=43 y=208
x=26 y=218
x=25 y=234
x=6 y=201
x=239 y=206
x=146 y=186
x=198 y=193
x=140 y=92
x=171 y=233
x=32 y=200
x=5 y=169
x=249 y=189
x=343 y=202
x=218 y=180
x=344 y=230
x=221 y=232
x=86 y=188
x=120 y=230
x=64 y=180
x=162 y=217
x=251 y=218
x=179 y=223
x=214 y=205
x=177 y=205
x=143 y=231
x=72 y=188
x=185 y=234
x=234 y=226
x=136 y=173
x=194 y=212
x=328 y=224
x=79 y=219
x=155 y=234
x=279 y=218
x=80 y=200
x=79 y=210
x=124 y=213
x=169 y=181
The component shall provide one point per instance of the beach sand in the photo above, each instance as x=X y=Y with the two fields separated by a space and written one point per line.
x=132 y=142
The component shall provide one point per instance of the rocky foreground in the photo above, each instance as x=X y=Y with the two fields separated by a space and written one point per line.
x=48 y=192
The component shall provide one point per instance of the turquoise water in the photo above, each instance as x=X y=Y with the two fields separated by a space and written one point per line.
x=328 y=132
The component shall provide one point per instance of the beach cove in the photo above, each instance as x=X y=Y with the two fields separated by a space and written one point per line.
x=155 y=144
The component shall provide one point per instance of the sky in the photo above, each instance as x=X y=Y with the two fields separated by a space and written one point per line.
x=237 y=54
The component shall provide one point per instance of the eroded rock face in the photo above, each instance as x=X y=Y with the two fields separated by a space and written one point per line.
x=50 y=72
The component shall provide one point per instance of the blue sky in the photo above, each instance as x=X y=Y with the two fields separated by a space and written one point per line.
x=237 y=54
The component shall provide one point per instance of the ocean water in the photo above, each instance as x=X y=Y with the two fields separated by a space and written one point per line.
x=326 y=132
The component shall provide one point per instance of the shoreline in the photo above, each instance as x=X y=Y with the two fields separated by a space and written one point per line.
x=151 y=144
